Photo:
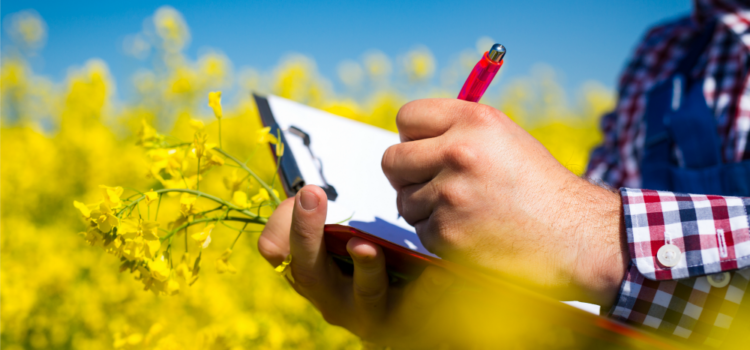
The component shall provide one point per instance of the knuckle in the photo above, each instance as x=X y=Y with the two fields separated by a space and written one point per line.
x=461 y=156
x=452 y=194
x=483 y=115
x=439 y=234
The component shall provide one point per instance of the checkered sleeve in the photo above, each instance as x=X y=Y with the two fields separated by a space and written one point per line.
x=685 y=300
x=711 y=232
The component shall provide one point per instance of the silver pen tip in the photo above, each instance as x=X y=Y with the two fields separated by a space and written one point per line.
x=497 y=52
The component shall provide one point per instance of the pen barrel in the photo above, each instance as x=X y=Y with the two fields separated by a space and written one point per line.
x=479 y=79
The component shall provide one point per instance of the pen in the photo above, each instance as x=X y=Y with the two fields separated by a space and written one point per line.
x=482 y=74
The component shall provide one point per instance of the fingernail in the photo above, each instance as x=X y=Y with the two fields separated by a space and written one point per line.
x=308 y=200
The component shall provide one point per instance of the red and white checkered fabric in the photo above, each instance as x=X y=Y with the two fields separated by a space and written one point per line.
x=710 y=231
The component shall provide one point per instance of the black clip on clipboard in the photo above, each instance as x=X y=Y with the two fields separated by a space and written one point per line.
x=289 y=173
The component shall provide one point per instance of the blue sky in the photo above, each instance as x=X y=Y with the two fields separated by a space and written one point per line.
x=583 y=39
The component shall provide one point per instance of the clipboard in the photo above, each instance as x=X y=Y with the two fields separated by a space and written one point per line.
x=342 y=156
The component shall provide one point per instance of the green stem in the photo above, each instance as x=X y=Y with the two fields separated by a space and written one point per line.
x=169 y=248
x=210 y=210
x=261 y=221
x=198 y=176
x=253 y=174
x=238 y=236
x=158 y=205
x=177 y=145
x=207 y=196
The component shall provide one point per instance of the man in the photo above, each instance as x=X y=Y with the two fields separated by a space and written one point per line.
x=481 y=191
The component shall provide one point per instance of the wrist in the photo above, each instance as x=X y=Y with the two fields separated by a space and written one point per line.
x=602 y=254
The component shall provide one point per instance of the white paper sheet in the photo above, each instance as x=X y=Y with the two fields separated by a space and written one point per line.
x=350 y=153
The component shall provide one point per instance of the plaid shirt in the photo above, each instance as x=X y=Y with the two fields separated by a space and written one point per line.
x=710 y=231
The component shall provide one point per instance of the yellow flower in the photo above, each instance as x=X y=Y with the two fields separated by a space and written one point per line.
x=159 y=269
x=214 y=101
x=212 y=158
x=85 y=211
x=171 y=287
x=204 y=237
x=199 y=144
x=187 y=205
x=151 y=196
x=240 y=199
x=184 y=273
x=419 y=64
x=264 y=135
x=223 y=264
x=112 y=196
x=169 y=160
x=28 y=27
x=122 y=341
x=104 y=218
x=233 y=183
x=147 y=135
x=263 y=196
x=284 y=269
x=197 y=125
x=279 y=149
x=93 y=236
x=141 y=239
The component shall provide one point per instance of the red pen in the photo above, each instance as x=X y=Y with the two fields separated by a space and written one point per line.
x=482 y=74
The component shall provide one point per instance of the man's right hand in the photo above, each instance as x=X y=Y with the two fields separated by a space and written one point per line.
x=364 y=303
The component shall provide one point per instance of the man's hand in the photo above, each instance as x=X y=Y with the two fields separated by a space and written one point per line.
x=482 y=191
x=364 y=303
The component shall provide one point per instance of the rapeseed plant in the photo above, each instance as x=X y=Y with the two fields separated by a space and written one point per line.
x=176 y=196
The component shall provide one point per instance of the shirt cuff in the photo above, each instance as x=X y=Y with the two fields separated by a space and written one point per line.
x=710 y=233
x=688 y=309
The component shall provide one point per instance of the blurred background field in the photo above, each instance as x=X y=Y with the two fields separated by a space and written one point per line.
x=63 y=137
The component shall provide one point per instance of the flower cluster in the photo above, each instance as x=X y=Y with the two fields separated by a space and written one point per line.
x=120 y=227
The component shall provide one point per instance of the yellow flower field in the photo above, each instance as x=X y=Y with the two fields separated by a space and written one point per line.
x=165 y=279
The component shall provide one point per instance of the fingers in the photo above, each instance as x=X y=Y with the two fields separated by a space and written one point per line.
x=273 y=243
x=315 y=277
x=370 y=282
x=422 y=295
x=416 y=202
x=412 y=162
x=306 y=238
x=427 y=118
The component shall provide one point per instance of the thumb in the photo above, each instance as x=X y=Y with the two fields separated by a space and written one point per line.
x=306 y=237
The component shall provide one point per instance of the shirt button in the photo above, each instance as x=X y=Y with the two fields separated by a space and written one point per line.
x=719 y=280
x=669 y=255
